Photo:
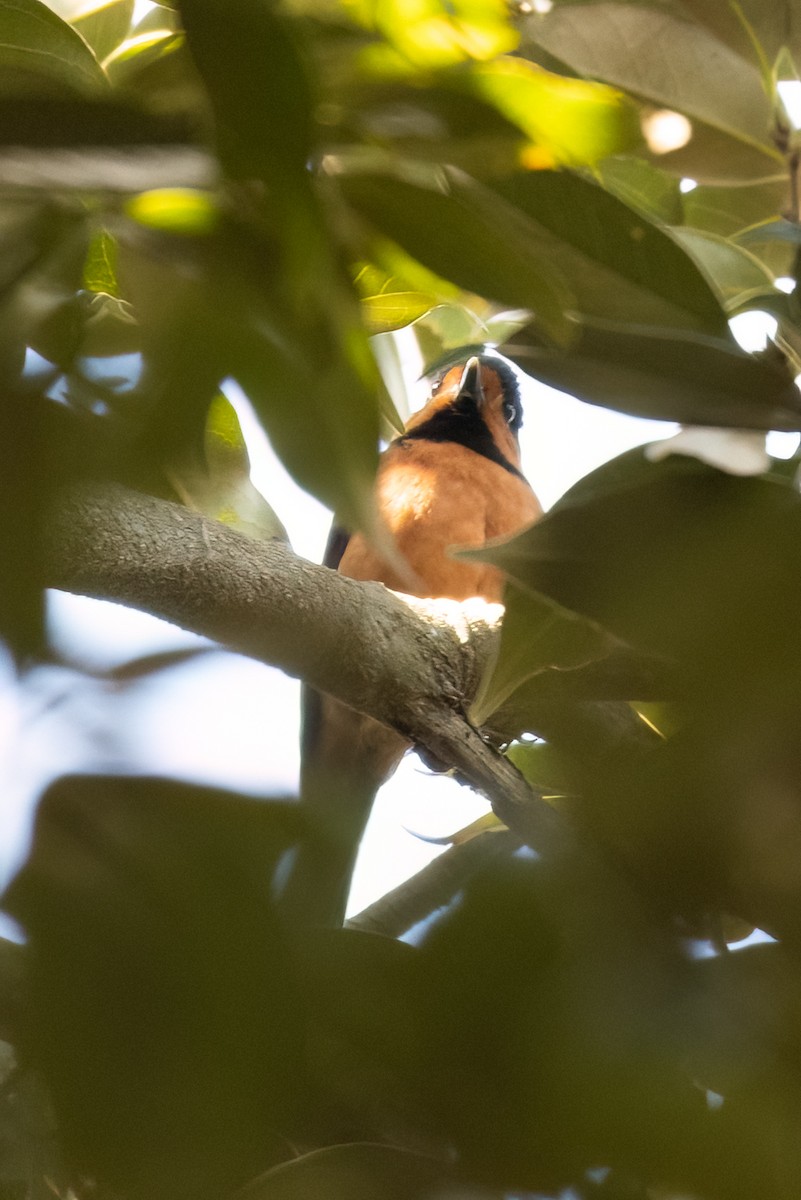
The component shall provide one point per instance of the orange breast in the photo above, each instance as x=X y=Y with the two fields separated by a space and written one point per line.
x=436 y=496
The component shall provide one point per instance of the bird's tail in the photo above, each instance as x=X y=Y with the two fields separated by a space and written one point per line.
x=345 y=758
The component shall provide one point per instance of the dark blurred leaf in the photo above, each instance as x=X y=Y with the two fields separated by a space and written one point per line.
x=682 y=560
x=41 y=52
x=443 y=122
x=41 y=255
x=258 y=85
x=753 y=1031
x=30 y=1160
x=548 y=654
x=620 y=266
x=672 y=375
x=223 y=315
x=311 y=352
x=317 y=392
x=566 y=1048
x=183 y=352
x=12 y=992
x=85 y=121
x=88 y=326
x=537 y=636
x=163 y=1008
x=105 y=25
x=365 y=1054
x=460 y=235
x=359 y=1172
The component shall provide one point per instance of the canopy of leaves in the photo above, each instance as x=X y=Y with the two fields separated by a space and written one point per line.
x=251 y=191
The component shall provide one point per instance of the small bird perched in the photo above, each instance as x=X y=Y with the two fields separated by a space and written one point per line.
x=452 y=479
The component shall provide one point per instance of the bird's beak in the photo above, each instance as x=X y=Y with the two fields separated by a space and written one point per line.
x=470 y=384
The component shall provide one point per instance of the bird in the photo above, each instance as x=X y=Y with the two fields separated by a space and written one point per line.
x=453 y=478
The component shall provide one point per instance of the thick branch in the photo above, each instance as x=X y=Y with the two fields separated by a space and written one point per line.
x=260 y=599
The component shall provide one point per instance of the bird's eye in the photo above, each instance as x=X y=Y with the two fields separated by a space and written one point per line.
x=512 y=413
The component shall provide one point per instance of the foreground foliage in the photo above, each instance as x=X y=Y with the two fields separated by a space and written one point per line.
x=263 y=193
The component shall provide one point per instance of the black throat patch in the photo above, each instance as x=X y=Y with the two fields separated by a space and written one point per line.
x=461 y=423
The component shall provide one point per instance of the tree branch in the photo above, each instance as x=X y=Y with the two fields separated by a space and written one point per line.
x=413 y=664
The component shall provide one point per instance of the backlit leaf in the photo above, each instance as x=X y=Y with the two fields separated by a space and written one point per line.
x=105 y=25
x=537 y=637
x=217 y=483
x=450 y=231
x=672 y=375
x=736 y=275
x=668 y=61
x=619 y=265
x=570 y=122
x=40 y=51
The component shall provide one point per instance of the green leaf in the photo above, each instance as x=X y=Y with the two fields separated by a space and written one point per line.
x=159 y=16
x=448 y=328
x=309 y=374
x=322 y=419
x=362 y=1171
x=219 y=485
x=458 y=233
x=544 y=766
x=393 y=310
x=620 y=266
x=736 y=275
x=387 y=302
x=643 y=187
x=441 y=122
x=87 y=326
x=538 y=636
x=755 y=30
x=136 y=54
x=80 y=121
x=571 y=122
x=105 y=25
x=186 y=211
x=157 y=988
x=659 y=560
x=39 y=51
x=250 y=62
x=667 y=61
x=665 y=374
x=731 y=210
x=432 y=34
